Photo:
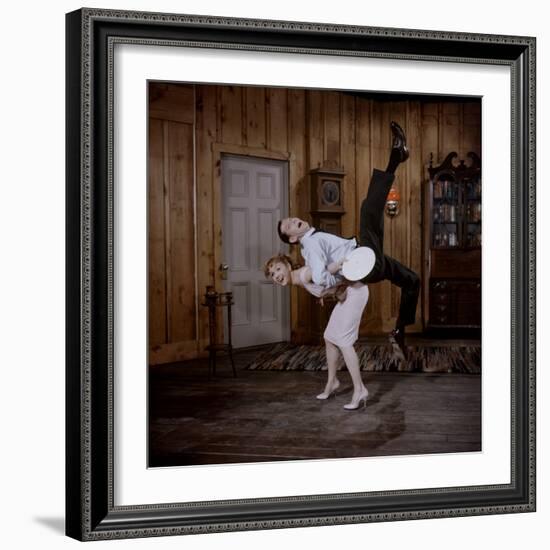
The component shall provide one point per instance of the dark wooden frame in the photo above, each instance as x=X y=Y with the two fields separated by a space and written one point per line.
x=91 y=514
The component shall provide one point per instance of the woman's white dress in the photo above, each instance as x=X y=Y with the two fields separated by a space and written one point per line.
x=343 y=326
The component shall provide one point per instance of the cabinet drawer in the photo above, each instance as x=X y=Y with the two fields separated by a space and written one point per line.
x=441 y=285
x=455 y=302
x=440 y=309
x=441 y=297
x=440 y=320
x=456 y=264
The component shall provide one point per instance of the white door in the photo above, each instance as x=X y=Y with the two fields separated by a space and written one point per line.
x=254 y=199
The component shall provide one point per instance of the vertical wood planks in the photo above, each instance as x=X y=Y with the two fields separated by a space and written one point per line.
x=298 y=196
x=331 y=130
x=449 y=128
x=156 y=253
x=167 y=233
x=430 y=146
x=430 y=134
x=315 y=129
x=347 y=156
x=255 y=120
x=179 y=159
x=278 y=110
x=206 y=131
x=171 y=102
x=231 y=109
x=413 y=204
x=471 y=133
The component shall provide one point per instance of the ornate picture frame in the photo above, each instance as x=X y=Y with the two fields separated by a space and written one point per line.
x=90 y=507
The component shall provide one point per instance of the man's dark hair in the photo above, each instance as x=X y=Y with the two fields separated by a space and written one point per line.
x=282 y=236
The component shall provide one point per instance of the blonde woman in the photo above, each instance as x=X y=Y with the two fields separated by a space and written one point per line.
x=342 y=329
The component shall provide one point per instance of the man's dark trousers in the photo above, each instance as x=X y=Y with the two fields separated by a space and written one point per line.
x=371 y=234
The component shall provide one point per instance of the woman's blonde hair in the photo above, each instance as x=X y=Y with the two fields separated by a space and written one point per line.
x=279 y=258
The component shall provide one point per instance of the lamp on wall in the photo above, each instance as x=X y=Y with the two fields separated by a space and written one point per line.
x=392 y=202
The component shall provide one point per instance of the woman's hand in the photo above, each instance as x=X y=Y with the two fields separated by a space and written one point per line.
x=341 y=291
x=335 y=267
x=326 y=292
x=338 y=292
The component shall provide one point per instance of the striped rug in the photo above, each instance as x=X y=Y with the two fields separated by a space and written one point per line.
x=449 y=358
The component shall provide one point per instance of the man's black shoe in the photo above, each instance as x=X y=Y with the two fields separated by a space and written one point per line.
x=397 y=340
x=399 y=141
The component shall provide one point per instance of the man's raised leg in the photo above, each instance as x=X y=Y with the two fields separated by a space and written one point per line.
x=371 y=222
x=372 y=235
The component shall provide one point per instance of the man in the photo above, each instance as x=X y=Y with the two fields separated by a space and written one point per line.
x=321 y=249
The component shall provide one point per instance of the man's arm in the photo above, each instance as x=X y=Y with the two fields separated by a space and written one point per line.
x=316 y=260
x=338 y=292
x=332 y=268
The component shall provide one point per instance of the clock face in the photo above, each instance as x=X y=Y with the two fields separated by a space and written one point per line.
x=330 y=193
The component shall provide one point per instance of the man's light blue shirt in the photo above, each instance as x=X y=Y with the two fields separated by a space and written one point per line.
x=320 y=249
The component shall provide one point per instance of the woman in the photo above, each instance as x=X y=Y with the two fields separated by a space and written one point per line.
x=342 y=329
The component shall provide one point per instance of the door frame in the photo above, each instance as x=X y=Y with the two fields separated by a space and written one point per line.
x=218 y=151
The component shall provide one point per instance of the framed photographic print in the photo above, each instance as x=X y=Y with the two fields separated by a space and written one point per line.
x=300 y=274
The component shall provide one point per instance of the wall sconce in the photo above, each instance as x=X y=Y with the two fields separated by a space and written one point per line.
x=392 y=203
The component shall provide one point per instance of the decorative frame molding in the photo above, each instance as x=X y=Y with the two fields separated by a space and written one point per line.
x=91 y=36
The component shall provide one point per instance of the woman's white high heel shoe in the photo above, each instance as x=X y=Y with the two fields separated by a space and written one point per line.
x=334 y=387
x=356 y=403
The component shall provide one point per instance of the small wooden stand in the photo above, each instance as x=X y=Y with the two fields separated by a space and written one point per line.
x=213 y=300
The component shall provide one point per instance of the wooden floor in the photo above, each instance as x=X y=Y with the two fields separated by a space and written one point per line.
x=273 y=415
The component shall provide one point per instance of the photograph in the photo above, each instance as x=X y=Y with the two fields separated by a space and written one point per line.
x=300 y=274
x=270 y=275
x=314 y=274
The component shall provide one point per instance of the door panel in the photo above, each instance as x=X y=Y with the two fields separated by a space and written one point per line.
x=254 y=199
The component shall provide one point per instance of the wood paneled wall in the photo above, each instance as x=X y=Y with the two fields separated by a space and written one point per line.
x=171 y=247
x=310 y=129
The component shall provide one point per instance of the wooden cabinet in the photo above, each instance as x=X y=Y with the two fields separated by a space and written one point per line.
x=455 y=302
x=452 y=243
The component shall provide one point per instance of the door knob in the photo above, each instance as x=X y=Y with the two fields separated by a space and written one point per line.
x=224 y=268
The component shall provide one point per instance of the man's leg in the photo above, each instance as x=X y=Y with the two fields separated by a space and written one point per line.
x=409 y=283
x=371 y=234
x=371 y=223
